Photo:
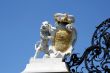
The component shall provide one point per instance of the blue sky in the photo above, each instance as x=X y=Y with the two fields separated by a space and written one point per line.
x=20 y=22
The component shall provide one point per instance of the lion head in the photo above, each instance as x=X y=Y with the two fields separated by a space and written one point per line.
x=45 y=26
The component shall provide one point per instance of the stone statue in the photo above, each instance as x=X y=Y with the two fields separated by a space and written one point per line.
x=62 y=36
x=55 y=42
x=45 y=33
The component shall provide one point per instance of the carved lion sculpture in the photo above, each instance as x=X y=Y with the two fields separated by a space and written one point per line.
x=45 y=36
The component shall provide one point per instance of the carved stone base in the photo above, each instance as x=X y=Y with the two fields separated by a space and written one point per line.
x=45 y=65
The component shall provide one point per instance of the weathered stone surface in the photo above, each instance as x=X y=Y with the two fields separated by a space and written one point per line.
x=45 y=65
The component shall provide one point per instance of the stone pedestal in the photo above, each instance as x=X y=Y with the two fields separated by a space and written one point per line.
x=45 y=65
